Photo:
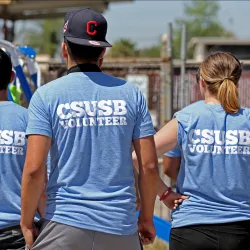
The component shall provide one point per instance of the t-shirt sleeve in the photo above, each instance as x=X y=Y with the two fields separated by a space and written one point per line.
x=183 y=118
x=176 y=152
x=143 y=124
x=39 y=121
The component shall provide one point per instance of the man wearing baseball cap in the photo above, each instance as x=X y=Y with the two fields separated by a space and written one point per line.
x=89 y=121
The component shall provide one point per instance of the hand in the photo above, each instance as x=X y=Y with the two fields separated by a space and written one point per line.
x=146 y=230
x=174 y=200
x=30 y=235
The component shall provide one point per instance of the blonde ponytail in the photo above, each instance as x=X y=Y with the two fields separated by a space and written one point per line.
x=221 y=73
x=228 y=96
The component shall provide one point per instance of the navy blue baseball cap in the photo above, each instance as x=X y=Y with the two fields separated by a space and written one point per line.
x=86 y=27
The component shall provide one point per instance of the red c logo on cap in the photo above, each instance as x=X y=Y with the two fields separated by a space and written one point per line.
x=89 y=24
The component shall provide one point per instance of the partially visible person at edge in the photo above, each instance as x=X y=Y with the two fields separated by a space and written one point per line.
x=88 y=121
x=215 y=140
x=13 y=125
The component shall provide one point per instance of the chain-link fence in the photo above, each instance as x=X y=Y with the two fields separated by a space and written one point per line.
x=184 y=94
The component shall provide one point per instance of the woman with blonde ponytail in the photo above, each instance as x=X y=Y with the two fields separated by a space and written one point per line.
x=214 y=138
x=220 y=74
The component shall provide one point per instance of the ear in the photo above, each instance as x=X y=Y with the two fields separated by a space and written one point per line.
x=103 y=53
x=202 y=83
x=65 y=52
x=12 y=78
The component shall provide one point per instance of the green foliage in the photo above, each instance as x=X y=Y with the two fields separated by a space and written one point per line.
x=201 y=19
x=123 y=48
x=127 y=48
x=154 y=51
x=45 y=37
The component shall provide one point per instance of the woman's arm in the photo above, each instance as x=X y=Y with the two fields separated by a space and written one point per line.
x=165 y=140
x=171 y=167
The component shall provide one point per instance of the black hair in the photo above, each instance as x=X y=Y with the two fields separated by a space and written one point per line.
x=85 y=53
x=5 y=70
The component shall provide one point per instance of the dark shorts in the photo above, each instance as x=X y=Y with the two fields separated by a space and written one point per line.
x=228 y=236
x=11 y=238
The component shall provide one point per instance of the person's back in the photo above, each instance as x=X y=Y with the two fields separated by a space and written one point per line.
x=12 y=156
x=215 y=173
x=215 y=139
x=89 y=122
x=91 y=164
x=173 y=159
x=212 y=134
x=13 y=123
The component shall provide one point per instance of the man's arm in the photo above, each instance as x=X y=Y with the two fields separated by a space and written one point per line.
x=138 y=202
x=161 y=187
x=165 y=140
x=147 y=182
x=33 y=180
x=42 y=203
x=148 y=174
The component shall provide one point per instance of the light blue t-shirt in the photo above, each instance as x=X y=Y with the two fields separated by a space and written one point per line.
x=92 y=119
x=13 y=123
x=216 y=170
x=176 y=152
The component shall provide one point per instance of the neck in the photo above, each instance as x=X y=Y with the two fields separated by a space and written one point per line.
x=211 y=99
x=3 y=95
x=71 y=63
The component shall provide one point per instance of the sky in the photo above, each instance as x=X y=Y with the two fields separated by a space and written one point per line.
x=145 y=21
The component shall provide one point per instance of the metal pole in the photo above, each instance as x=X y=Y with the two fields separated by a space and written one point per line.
x=12 y=31
x=5 y=30
x=163 y=80
x=162 y=93
x=169 y=90
x=170 y=81
x=5 y=18
x=184 y=86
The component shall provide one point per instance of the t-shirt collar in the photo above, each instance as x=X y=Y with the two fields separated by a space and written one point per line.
x=86 y=67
